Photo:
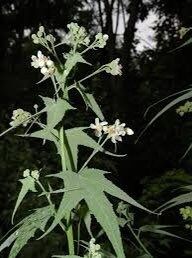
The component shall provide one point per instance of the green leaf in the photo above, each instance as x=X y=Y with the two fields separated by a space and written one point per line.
x=8 y=241
x=97 y=177
x=158 y=229
x=87 y=220
x=91 y=185
x=94 y=106
x=168 y=97
x=167 y=107
x=73 y=138
x=28 y=184
x=90 y=101
x=187 y=151
x=102 y=209
x=73 y=59
x=145 y=256
x=85 y=215
x=56 y=110
x=189 y=41
x=69 y=201
x=181 y=199
x=29 y=226
x=46 y=135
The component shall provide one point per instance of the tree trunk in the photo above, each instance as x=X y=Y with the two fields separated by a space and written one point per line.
x=129 y=33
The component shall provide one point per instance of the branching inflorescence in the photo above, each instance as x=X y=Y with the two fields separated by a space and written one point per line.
x=82 y=186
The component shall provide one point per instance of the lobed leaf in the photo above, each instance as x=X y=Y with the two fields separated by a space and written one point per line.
x=73 y=138
x=27 y=229
x=56 y=110
x=28 y=184
x=73 y=59
x=90 y=185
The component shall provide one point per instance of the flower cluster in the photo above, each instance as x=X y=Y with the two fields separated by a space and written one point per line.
x=98 y=127
x=20 y=117
x=186 y=108
x=44 y=63
x=93 y=249
x=114 y=132
x=183 y=31
x=34 y=174
x=114 y=67
x=186 y=212
x=187 y=215
x=100 y=40
x=76 y=36
x=42 y=38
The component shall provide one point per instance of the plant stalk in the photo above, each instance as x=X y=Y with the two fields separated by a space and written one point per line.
x=138 y=240
x=69 y=231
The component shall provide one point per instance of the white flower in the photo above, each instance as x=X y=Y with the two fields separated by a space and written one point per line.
x=49 y=63
x=94 y=249
x=116 y=131
x=44 y=63
x=98 y=127
x=35 y=39
x=35 y=174
x=77 y=35
x=26 y=173
x=129 y=131
x=114 y=67
x=101 y=40
x=120 y=127
x=20 y=117
x=38 y=61
x=112 y=132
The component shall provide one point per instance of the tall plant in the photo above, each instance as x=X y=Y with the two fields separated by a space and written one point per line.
x=82 y=186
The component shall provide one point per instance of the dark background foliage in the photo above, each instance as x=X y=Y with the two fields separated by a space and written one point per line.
x=148 y=76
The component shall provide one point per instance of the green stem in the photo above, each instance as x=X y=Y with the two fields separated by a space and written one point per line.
x=90 y=47
x=78 y=236
x=138 y=240
x=87 y=77
x=93 y=153
x=55 y=86
x=50 y=202
x=69 y=230
x=55 y=53
x=63 y=163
